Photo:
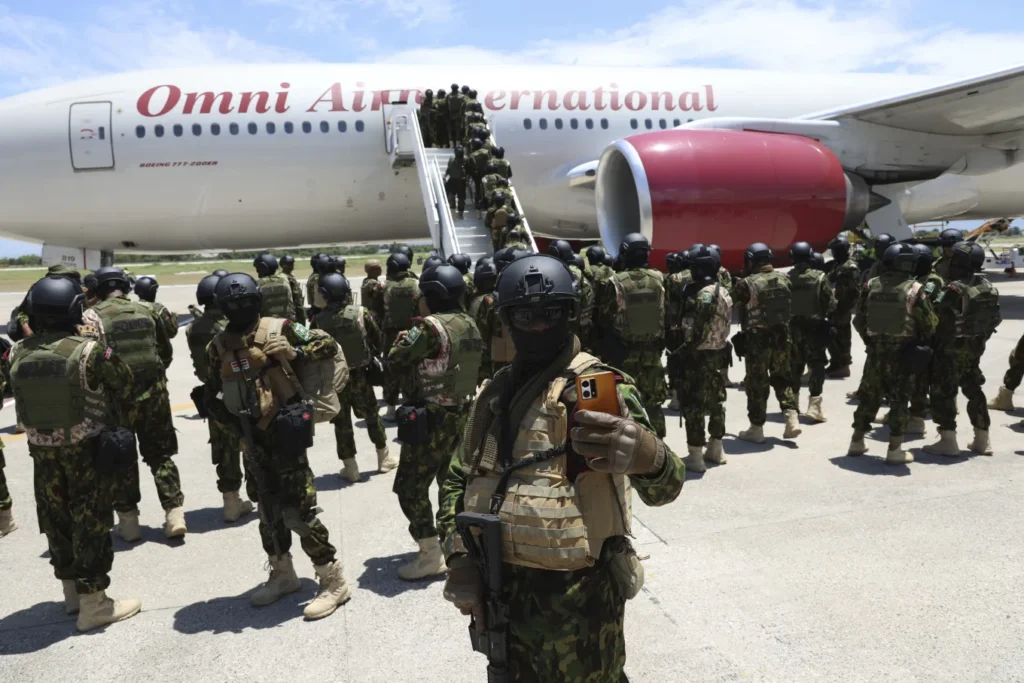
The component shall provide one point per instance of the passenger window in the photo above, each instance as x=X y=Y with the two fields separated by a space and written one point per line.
x=574 y=124
x=675 y=123
x=558 y=124
x=663 y=124
x=527 y=124
x=271 y=127
x=543 y=123
x=253 y=128
x=289 y=127
x=325 y=127
x=604 y=124
x=307 y=127
x=233 y=128
x=197 y=129
x=590 y=124
x=359 y=126
x=634 y=124
x=140 y=131
x=648 y=124
x=214 y=129
x=178 y=130
x=342 y=126
x=158 y=130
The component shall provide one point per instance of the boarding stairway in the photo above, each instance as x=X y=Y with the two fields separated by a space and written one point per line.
x=449 y=234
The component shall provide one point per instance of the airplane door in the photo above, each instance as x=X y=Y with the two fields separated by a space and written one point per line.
x=90 y=136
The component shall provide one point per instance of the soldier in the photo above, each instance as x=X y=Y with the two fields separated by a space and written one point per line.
x=401 y=305
x=877 y=267
x=723 y=275
x=504 y=168
x=71 y=393
x=277 y=293
x=371 y=292
x=481 y=309
x=933 y=286
x=439 y=117
x=443 y=352
x=764 y=299
x=425 y=118
x=355 y=329
x=462 y=262
x=897 y=318
x=812 y=304
x=476 y=130
x=1011 y=380
x=679 y=276
x=703 y=340
x=565 y=620
x=948 y=239
x=632 y=320
x=455 y=177
x=478 y=160
x=338 y=263
x=298 y=301
x=844 y=276
x=7 y=523
x=602 y=271
x=316 y=303
x=145 y=288
x=489 y=182
x=405 y=250
x=496 y=220
x=224 y=441
x=249 y=357
x=516 y=235
x=582 y=325
x=138 y=336
x=89 y=284
x=455 y=101
x=968 y=312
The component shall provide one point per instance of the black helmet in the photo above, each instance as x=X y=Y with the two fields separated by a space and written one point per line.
x=206 y=290
x=339 y=264
x=595 y=255
x=577 y=261
x=441 y=92
x=110 y=278
x=900 y=258
x=314 y=259
x=55 y=302
x=397 y=263
x=950 y=236
x=459 y=152
x=265 y=264
x=634 y=250
x=717 y=249
x=455 y=88
x=801 y=252
x=683 y=258
x=502 y=181
x=925 y=258
x=90 y=282
x=335 y=288
x=472 y=93
x=442 y=286
x=287 y=260
x=561 y=250
x=817 y=261
x=499 y=153
x=840 y=248
x=220 y=272
x=491 y=167
x=239 y=297
x=502 y=258
x=433 y=261
x=882 y=242
x=608 y=260
x=465 y=90
x=536 y=280
x=968 y=257
x=485 y=275
x=703 y=263
x=460 y=261
x=476 y=144
x=672 y=263
x=428 y=93
x=324 y=264
x=145 y=288
x=499 y=198
x=757 y=254
x=404 y=249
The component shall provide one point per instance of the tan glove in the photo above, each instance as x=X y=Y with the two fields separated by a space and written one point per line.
x=281 y=348
x=617 y=445
x=463 y=587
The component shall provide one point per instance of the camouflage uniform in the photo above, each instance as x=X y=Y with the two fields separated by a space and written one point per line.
x=675 y=284
x=439 y=117
x=704 y=333
x=478 y=163
x=813 y=302
x=583 y=326
x=313 y=295
x=1014 y=375
x=298 y=301
x=845 y=280
x=371 y=295
x=941 y=266
x=457 y=176
x=470 y=290
x=481 y=308
x=919 y=405
x=5 y=495
x=394 y=383
x=169 y=320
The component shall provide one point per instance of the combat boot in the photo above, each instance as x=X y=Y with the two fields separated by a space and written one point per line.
x=857 y=445
x=884 y=420
x=915 y=427
x=714 y=453
x=753 y=434
x=1003 y=400
x=981 y=445
x=174 y=523
x=814 y=411
x=128 y=526
x=793 y=429
x=234 y=507
x=946 y=445
x=350 y=471
x=853 y=395
x=96 y=610
x=838 y=372
x=334 y=591
x=694 y=461
x=391 y=413
x=385 y=461
x=71 y=602
x=282 y=581
x=428 y=562
x=896 y=455
x=7 y=523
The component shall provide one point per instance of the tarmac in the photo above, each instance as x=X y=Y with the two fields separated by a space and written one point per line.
x=791 y=563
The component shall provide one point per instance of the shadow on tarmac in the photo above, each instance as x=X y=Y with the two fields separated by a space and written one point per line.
x=334 y=482
x=737 y=446
x=866 y=464
x=149 y=535
x=212 y=519
x=235 y=614
x=380 y=575
x=35 y=628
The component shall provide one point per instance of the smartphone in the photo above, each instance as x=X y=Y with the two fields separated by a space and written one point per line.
x=596 y=392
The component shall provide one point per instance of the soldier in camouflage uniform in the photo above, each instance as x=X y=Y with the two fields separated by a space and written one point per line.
x=844 y=276
x=239 y=364
x=632 y=320
x=481 y=309
x=138 y=335
x=455 y=177
x=371 y=292
x=53 y=374
x=462 y=262
x=679 y=276
x=278 y=301
x=968 y=312
x=454 y=115
x=516 y=234
x=565 y=621
x=582 y=326
x=479 y=157
x=298 y=300
x=426 y=119
x=443 y=352
x=316 y=303
x=224 y=442
x=1011 y=380
x=504 y=168
x=496 y=220
x=812 y=304
x=932 y=287
x=401 y=305
x=355 y=329
x=896 y=316
x=7 y=523
x=439 y=118
x=146 y=288
x=489 y=182
x=948 y=239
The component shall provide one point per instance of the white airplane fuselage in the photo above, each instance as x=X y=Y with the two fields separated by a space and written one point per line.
x=219 y=158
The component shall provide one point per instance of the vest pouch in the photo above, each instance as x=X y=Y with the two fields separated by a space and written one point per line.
x=412 y=424
x=916 y=357
x=625 y=566
x=293 y=435
x=117 y=451
x=198 y=396
x=375 y=373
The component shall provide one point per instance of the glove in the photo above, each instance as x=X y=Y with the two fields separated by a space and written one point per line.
x=463 y=587
x=281 y=348
x=616 y=445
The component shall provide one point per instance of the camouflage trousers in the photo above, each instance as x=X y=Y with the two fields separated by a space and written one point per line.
x=919 y=393
x=840 y=349
x=702 y=395
x=151 y=421
x=5 y=494
x=293 y=491
x=808 y=349
x=424 y=463
x=565 y=626
x=225 y=448
x=358 y=397
x=393 y=382
x=956 y=369
x=885 y=376
x=1015 y=374
x=768 y=367
x=73 y=510
x=647 y=370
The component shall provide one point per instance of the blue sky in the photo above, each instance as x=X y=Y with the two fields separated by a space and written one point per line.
x=48 y=41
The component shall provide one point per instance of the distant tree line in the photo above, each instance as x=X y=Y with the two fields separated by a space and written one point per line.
x=299 y=254
x=27 y=260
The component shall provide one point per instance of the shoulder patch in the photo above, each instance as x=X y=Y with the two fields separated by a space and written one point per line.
x=301 y=331
x=706 y=297
x=108 y=352
x=413 y=335
x=929 y=287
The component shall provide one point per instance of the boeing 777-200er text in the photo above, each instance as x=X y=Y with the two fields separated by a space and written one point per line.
x=236 y=157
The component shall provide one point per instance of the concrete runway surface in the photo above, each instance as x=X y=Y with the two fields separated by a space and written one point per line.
x=792 y=563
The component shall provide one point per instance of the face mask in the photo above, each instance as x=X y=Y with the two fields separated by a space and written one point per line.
x=240 y=321
x=537 y=347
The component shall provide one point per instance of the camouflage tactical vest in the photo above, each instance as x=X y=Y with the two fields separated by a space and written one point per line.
x=277 y=298
x=806 y=285
x=640 y=310
x=770 y=300
x=674 y=288
x=348 y=328
x=716 y=333
x=890 y=300
x=586 y=314
x=400 y=303
x=199 y=334
x=979 y=314
x=449 y=379
x=129 y=328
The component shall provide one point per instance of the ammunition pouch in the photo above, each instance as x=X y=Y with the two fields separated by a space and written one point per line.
x=412 y=424
x=625 y=566
x=739 y=344
x=198 y=396
x=293 y=435
x=117 y=451
x=375 y=372
x=916 y=357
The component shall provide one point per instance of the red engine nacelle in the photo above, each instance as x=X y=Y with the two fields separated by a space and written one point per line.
x=727 y=187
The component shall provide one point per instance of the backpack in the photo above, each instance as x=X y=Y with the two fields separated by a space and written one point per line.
x=400 y=303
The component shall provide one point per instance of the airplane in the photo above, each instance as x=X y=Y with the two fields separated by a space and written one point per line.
x=254 y=156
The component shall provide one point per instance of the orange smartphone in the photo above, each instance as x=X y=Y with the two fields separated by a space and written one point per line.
x=597 y=392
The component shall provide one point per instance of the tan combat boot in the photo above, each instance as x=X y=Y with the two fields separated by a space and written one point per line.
x=694 y=461
x=128 y=526
x=71 y=601
x=428 y=562
x=714 y=453
x=7 y=523
x=96 y=610
x=1002 y=401
x=814 y=411
x=385 y=461
x=334 y=591
x=793 y=429
x=915 y=426
x=857 y=445
x=884 y=420
x=981 y=445
x=753 y=434
x=174 y=523
x=350 y=471
x=234 y=507
x=946 y=445
x=896 y=455
x=282 y=581
x=391 y=413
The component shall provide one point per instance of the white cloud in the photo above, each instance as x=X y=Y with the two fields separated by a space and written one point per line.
x=315 y=16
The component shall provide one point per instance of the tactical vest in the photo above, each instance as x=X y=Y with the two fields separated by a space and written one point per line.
x=449 y=379
x=770 y=300
x=806 y=286
x=548 y=520
x=504 y=167
x=53 y=398
x=199 y=334
x=979 y=314
x=716 y=333
x=677 y=283
x=167 y=319
x=586 y=314
x=129 y=329
x=400 y=303
x=313 y=295
x=348 y=328
x=277 y=298
x=640 y=310
x=889 y=306
x=477 y=303
x=480 y=159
